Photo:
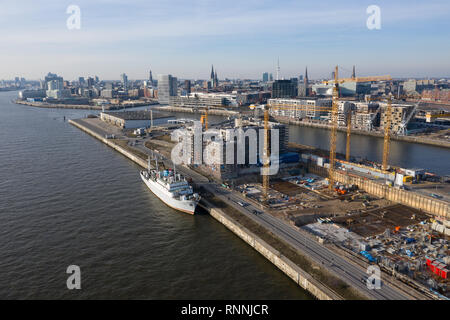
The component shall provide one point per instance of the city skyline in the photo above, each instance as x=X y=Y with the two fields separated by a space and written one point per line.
x=242 y=40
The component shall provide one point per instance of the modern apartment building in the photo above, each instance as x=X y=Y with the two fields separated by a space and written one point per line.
x=167 y=87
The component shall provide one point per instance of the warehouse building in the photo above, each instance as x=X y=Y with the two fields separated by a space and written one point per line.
x=135 y=119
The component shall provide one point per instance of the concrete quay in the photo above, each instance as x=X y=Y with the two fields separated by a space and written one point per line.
x=298 y=275
x=78 y=106
x=319 y=256
x=216 y=112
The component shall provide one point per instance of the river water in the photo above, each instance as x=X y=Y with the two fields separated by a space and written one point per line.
x=402 y=154
x=67 y=199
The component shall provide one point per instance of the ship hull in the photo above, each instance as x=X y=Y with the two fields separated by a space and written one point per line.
x=187 y=206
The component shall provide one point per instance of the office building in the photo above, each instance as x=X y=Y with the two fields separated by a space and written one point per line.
x=187 y=87
x=167 y=87
x=124 y=81
x=50 y=77
x=198 y=99
x=300 y=108
x=284 y=89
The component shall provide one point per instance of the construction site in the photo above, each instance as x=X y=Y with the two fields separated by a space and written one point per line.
x=378 y=213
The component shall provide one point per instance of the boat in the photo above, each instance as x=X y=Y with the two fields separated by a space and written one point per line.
x=171 y=188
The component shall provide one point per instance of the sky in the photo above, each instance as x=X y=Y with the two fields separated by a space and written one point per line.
x=242 y=39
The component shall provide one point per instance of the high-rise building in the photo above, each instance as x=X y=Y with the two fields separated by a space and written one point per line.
x=90 y=82
x=124 y=81
x=270 y=77
x=265 y=77
x=81 y=81
x=167 y=87
x=52 y=76
x=187 y=86
x=284 y=89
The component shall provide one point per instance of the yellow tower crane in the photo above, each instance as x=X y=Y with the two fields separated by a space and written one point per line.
x=334 y=117
x=204 y=119
x=266 y=150
x=334 y=125
x=430 y=117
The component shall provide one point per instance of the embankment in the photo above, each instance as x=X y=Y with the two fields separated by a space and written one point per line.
x=217 y=112
x=301 y=277
x=112 y=144
x=78 y=106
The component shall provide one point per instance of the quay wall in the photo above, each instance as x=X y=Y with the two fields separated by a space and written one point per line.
x=216 y=112
x=298 y=275
x=111 y=144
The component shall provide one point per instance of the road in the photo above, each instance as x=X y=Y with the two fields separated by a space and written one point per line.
x=334 y=263
x=350 y=273
x=343 y=269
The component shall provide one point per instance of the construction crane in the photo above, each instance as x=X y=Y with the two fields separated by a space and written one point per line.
x=266 y=151
x=431 y=116
x=359 y=79
x=204 y=119
x=387 y=129
x=334 y=117
x=334 y=125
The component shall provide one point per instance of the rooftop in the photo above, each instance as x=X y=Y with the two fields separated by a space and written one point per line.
x=138 y=115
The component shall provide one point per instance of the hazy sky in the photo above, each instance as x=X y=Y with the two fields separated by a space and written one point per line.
x=241 y=38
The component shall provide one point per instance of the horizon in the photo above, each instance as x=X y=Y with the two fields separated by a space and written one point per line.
x=241 y=40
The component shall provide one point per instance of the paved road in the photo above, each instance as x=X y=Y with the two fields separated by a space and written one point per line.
x=351 y=273
x=342 y=268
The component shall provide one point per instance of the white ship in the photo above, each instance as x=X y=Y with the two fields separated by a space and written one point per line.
x=171 y=188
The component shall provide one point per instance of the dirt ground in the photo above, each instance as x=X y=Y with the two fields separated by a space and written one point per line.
x=377 y=221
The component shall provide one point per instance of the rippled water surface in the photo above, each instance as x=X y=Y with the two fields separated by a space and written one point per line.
x=65 y=198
